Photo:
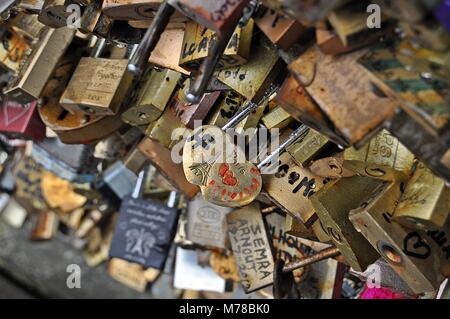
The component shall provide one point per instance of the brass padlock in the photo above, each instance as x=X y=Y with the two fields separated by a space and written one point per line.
x=197 y=41
x=333 y=204
x=155 y=92
x=277 y=118
x=291 y=187
x=409 y=252
x=282 y=30
x=252 y=79
x=382 y=157
x=356 y=111
x=168 y=50
x=299 y=104
x=331 y=167
x=423 y=204
x=307 y=148
x=39 y=66
x=224 y=110
x=98 y=86
x=251 y=247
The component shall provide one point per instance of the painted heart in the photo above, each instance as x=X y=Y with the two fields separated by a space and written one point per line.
x=232 y=184
x=415 y=246
x=228 y=176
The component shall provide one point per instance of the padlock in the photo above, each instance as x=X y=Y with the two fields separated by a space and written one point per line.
x=423 y=204
x=206 y=223
x=93 y=21
x=291 y=187
x=75 y=163
x=298 y=103
x=252 y=79
x=168 y=50
x=333 y=203
x=329 y=42
x=130 y=274
x=306 y=149
x=308 y=13
x=197 y=41
x=99 y=86
x=160 y=157
x=251 y=247
x=14 y=49
x=190 y=113
x=115 y=183
x=225 y=109
x=76 y=128
x=223 y=28
x=331 y=167
x=164 y=129
x=282 y=30
x=39 y=66
x=21 y=121
x=383 y=157
x=277 y=118
x=409 y=252
x=45 y=227
x=145 y=228
x=421 y=124
x=360 y=111
x=154 y=95
x=351 y=24
x=93 y=218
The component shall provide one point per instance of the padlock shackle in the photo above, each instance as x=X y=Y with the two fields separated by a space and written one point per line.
x=294 y=136
x=98 y=48
x=139 y=59
x=251 y=106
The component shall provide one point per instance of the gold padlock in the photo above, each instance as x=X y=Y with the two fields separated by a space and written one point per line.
x=382 y=157
x=423 y=204
x=282 y=30
x=252 y=79
x=34 y=74
x=307 y=148
x=98 y=86
x=13 y=51
x=231 y=102
x=291 y=187
x=155 y=92
x=411 y=253
x=277 y=118
x=197 y=40
x=333 y=204
x=355 y=110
